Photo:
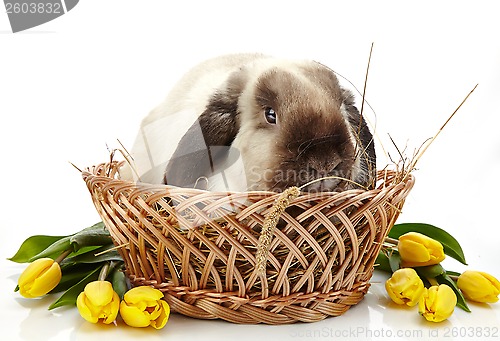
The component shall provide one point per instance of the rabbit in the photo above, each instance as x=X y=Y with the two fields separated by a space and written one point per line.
x=251 y=122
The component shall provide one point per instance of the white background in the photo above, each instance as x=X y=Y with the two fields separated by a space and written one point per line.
x=72 y=85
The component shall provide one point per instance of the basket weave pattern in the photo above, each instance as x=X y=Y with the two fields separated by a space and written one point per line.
x=199 y=248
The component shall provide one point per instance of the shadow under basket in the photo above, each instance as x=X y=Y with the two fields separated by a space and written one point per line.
x=201 y=248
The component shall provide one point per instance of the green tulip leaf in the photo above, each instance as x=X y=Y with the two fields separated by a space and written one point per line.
x=70 y=296
x=54 y=250
x=95 y=235
x=453 y=273
x=395 y=261
x=388 y=260
x=450 y=245
x=95 y=255
x=33 y=246
x=382 y=262
x=461 y=303
x=430 y=271
x=119 y=281
x=83 y=250
x=41 y=246
x=72 y=274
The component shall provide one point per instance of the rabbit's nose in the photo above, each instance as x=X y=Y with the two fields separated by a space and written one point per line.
x=323 y=168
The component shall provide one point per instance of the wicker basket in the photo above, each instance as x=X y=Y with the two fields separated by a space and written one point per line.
x=200 y=248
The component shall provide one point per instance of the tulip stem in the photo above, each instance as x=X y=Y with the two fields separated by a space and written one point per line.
x=63 y=255
x=391 y=240
x=104 y=272
x=453 y=277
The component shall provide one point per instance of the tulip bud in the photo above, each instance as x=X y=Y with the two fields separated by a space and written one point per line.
x=437 y=303
x=143 y=306
x=39 y=278
x=417 y=249
x=405 y=287
x=98 y=302
x=479 y=286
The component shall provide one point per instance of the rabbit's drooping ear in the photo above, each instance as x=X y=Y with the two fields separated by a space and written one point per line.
x=207 y=142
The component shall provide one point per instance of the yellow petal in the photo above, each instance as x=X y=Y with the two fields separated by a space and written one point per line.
x=162 y=319
x=39 y=278
x=431 y=298
x=395 y=298
x=84 y=310
x=494 y=282
x=142 y=294
x=154 y=311
x=407 y=264
x=446 y=300
x=34 y=269
x=47 y=281
x=422 y=308
x=479 y=286
x=437 y=303
x=111 y=310
x=133 y=316
x=413 y=251
x=417 y=249
x=99 y=293
x=98 y=302
x=405 y=287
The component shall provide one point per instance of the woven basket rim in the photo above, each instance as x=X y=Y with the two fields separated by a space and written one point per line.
x=407 y=179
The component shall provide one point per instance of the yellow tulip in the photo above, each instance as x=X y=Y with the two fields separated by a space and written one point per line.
x=417 y=249
x=437 y=303
x=143 y=306
x=405 y=287
x=39 y=278
x=479 y=286
x=98 y=302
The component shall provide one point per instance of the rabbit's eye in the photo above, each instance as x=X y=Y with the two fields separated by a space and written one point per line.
x=270 y=115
